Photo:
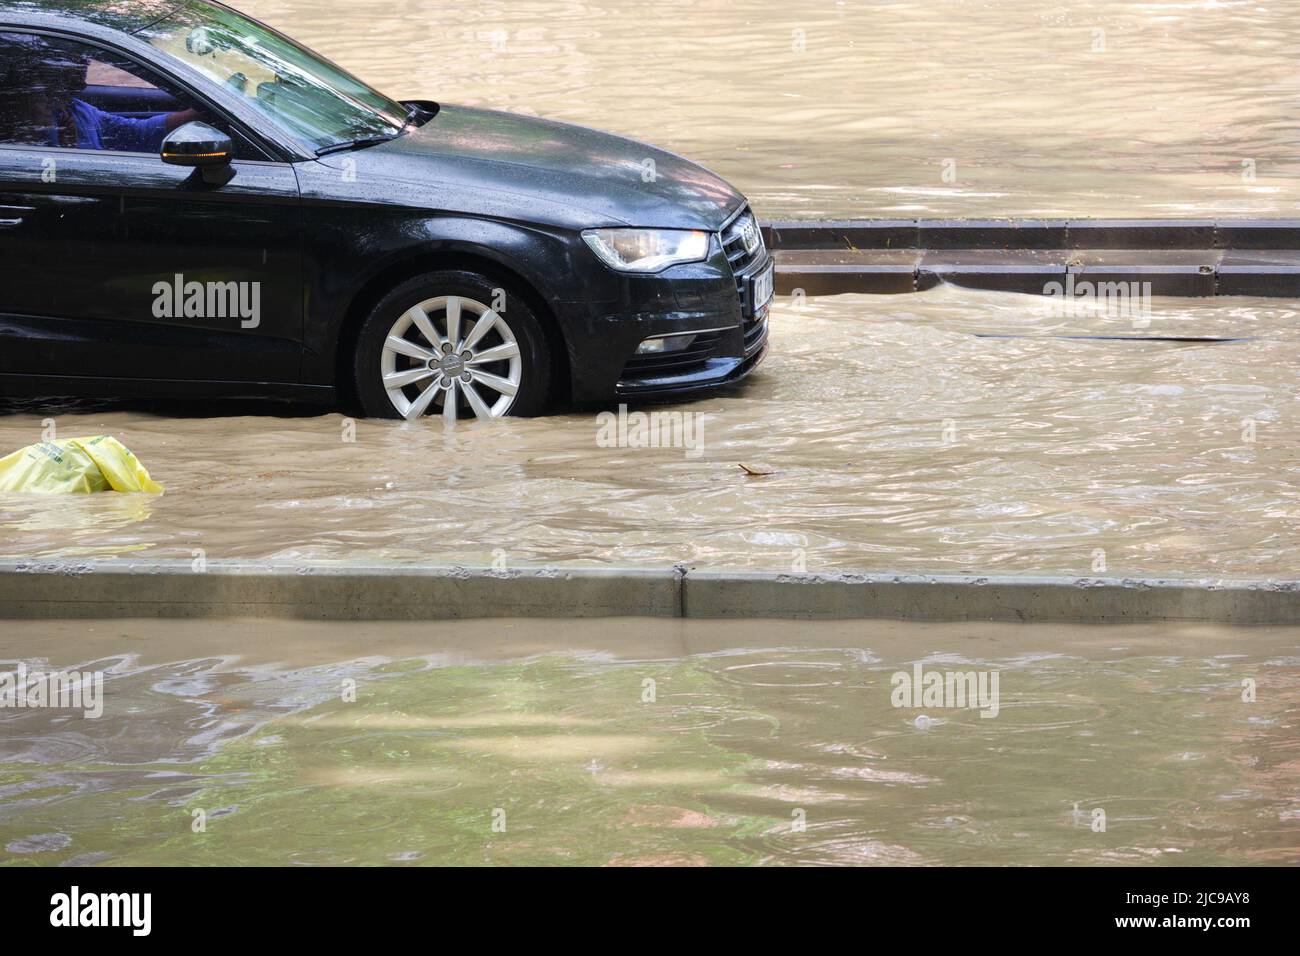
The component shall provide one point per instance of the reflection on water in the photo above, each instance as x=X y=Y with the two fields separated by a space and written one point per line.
x=770 y=745
x=878 y=107
x=72 y=516
x=898 y=437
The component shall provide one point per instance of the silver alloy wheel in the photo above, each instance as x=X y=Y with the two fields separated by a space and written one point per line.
x=447 y=349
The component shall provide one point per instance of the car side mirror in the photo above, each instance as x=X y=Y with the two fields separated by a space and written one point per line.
x=198 y=144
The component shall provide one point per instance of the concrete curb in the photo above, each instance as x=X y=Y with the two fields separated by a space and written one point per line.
x=173 y=589
x=979 y=234
x=115 y=589
x=1172 y=257
x=969 y=598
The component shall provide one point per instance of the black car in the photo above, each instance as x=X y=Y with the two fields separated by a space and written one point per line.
x=192 y=204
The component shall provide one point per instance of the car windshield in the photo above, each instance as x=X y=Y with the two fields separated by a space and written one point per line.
x=304 y=95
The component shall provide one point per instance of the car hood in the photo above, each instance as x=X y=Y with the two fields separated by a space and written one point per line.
x=557 y=172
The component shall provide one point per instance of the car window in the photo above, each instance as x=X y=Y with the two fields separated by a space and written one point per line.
x=99 y=73
x=306 y=96
x=58 y=92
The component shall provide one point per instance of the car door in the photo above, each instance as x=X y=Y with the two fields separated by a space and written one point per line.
x=115 y=265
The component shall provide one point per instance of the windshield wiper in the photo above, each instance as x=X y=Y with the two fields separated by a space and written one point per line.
x=354 y=144
x=371 y=140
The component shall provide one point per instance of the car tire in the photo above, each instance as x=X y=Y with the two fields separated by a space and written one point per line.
x=406 y=364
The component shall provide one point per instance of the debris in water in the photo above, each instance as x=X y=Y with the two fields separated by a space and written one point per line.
x=75 y=466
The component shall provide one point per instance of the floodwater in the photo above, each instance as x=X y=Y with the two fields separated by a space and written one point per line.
x=899 y=435
x=652 y=742
x=844 y=108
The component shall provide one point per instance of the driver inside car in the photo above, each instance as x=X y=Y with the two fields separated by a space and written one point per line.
x=56 y=116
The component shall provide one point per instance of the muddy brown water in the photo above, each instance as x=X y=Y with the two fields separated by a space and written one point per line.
x=643 y=742
x=898 y=436
x=898 y=108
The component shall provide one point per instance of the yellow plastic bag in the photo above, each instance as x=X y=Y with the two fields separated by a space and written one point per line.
x=75 y=466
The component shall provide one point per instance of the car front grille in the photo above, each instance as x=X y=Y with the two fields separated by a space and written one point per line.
x=733 y=244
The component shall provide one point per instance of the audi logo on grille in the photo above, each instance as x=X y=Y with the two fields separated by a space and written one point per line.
x=750 y=237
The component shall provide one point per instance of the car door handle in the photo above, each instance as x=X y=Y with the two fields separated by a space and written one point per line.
x=14 y=215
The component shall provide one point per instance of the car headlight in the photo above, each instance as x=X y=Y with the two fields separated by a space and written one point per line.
x=647 y=250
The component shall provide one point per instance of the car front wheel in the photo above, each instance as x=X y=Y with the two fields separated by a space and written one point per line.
x=455 y=344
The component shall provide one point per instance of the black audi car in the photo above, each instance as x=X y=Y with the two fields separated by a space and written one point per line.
x=192 y=204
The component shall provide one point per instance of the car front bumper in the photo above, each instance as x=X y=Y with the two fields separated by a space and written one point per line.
x=705 y=302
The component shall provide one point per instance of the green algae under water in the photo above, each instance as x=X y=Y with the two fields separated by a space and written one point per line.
x=762 y=755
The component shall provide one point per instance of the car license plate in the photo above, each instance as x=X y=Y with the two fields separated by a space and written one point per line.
x=762 y=289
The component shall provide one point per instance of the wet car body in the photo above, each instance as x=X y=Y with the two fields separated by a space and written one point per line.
x=505 y=195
